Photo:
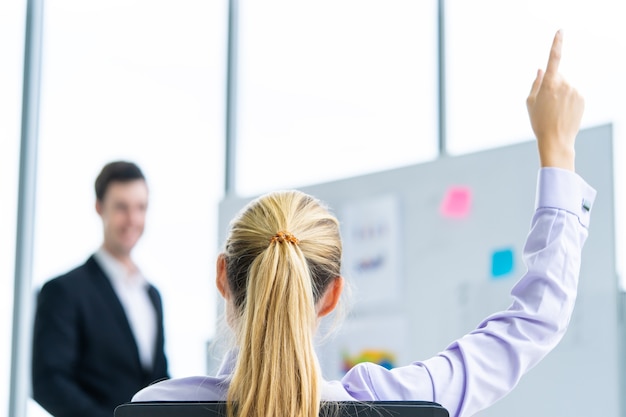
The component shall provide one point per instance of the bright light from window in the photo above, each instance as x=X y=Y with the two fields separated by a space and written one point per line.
x=330 y=89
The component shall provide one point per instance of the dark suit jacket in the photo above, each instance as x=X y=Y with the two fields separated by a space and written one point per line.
x=85 y=360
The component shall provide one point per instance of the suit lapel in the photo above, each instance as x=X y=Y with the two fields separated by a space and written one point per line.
x=158 y=308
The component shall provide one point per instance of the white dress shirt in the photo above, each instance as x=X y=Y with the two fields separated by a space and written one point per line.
x=132 y=291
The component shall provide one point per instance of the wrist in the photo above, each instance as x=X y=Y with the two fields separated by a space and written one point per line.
x=563 y=159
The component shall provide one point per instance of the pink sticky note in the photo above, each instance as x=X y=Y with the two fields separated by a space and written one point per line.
x=457 y=202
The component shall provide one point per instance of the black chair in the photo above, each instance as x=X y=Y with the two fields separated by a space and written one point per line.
x=332 y=409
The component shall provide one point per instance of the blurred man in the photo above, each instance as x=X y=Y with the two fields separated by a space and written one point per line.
x=98 y=332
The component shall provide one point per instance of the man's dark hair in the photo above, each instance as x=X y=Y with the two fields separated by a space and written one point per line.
x=117 y=171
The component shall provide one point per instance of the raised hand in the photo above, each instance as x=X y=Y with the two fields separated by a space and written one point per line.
x=555 y=109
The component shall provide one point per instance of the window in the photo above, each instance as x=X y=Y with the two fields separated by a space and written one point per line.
x=330 y=89
x=141 y=81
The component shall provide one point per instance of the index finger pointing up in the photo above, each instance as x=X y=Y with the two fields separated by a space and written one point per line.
x=555 y=55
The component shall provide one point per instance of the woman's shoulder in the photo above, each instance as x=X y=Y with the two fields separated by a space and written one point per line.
x=193 y=388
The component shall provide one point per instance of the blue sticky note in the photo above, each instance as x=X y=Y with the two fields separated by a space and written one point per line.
x=501 y=263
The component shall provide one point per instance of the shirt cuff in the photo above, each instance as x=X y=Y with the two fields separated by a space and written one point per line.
x=565 y=190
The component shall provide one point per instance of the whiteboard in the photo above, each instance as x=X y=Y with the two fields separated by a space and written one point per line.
x=454 y=230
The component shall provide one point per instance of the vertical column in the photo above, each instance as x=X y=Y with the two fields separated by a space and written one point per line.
x=441 y=63
x=231 y=100
x=21 y=338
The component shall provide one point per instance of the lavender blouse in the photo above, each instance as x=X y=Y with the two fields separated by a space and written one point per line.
x=484 y=365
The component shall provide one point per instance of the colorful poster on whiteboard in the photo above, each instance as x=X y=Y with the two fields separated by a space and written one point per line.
x=380 y=339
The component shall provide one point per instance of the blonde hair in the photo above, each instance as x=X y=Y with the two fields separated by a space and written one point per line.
x=275 y=281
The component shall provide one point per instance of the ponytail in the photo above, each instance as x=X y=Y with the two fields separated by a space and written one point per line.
x=277 y=373
x=276 y=280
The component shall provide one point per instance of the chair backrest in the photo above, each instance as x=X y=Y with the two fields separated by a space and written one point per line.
x=346 y=409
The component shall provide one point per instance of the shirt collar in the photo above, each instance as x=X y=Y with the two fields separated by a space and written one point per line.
x=117 y=272
x=228 y=364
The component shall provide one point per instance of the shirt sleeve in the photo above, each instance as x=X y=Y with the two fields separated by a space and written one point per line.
x=483 y=366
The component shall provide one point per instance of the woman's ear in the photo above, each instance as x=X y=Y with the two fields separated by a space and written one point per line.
x=330 y=298
x=221 y=280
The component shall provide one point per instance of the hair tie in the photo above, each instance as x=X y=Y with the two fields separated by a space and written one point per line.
x=281 y=237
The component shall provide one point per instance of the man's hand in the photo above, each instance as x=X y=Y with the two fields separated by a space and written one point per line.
x=555 y=109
